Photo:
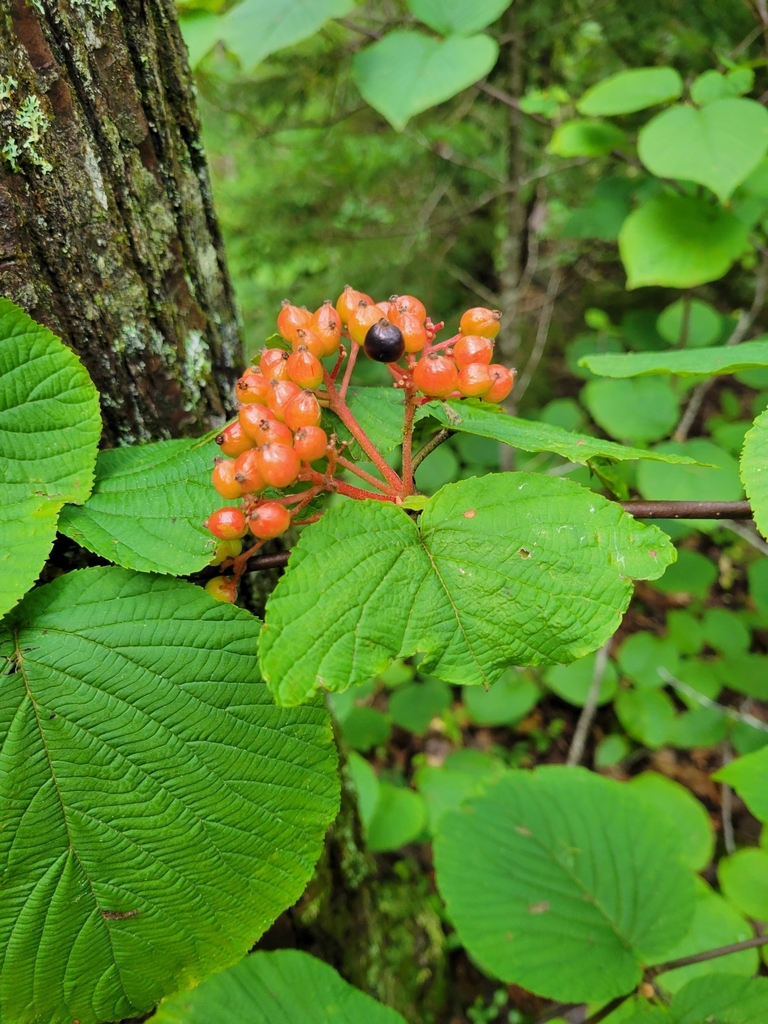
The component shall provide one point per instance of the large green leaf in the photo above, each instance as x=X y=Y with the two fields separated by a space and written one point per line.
x=457 y=17
x=721 y=999
x=148 y=507
x=683 y=362
x=628 y=91
x=754 y=470
x=255 y=28
x=632 y=410
x=367 y=585
x=407 y=72
x=535 y=436
x=159 y=811
x=749 y=777
x=717 y=146
x=718 y=481
x=285 y=987
x=49 y=430
x=686 y=817
x=564 y=882
x=679 y=242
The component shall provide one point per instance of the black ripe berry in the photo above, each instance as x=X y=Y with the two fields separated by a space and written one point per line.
x=384 y=342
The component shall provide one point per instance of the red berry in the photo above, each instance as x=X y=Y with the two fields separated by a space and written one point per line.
x=410 y=304
x=223 y=479
x=436 y=375
x=475 y=380
x=384 y=342
x=472 y=348
x=269 y=520
x=305 y=369
x=311 y=340
x=278 y=464
x=253 y=386
x=413 y=330
x=310 y=443
x=503 y=379
x=248 y=473
x=348 y=302
x=222 y=588
x=326 y=322
x=226 y=549
x=364 y=317
x=482 y=321
x=250 y=417
x=233 y=440
x=290 y=318
x=227 y=524
x=303 y=410
x=272 y=363
x=281 y=392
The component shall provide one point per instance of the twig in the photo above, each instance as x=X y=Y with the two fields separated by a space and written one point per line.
x=434 y=442
x=708 y=954
x=348 y=371
x=361 y=29
x=556 y=1011
x=747 y=534
x=745 y=322
x=726 y=805
x=407 y=448
x=608 y=1009
x=590 y=707
x=364 y=475
x=542 y=333
x=688 y=509
x=474 y=286
x=510 y=101
x=707 y=702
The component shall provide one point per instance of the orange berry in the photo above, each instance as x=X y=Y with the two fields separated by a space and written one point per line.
x=326 y=322
x=269 y=520
x=472 y=348
x=279 y=465
x=303 y=410
x=410 y=304
x=233 y=440
x=248 y=474
x=305 y=369
x=436 y=375
x=475 y=380
x=223 y=479
x=348 y=302
x=269 y=430
x=290 y=318
x=365 y=316
x=413 y=330
x=272 y=363
x=252 y=387
x=222 y=588
x=281 y=392
x=250 y=417
x=311 y=340
x=310 y=443
x=503 y=379
x=482 y=321
x=227 y=524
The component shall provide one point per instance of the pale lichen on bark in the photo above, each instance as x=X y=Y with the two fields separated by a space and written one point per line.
x=107 y=228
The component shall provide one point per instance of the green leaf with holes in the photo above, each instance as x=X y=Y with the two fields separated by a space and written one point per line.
x=49 y=431
x=367 y=584
x=631 y=90
x=753 y=468
x=563 y=882
x=284 y=987
x=717 y=146
x=148 y=507
x=679 y=242
x=159 y=810
x=407 y=72
x=535 y=436
x=682 y=362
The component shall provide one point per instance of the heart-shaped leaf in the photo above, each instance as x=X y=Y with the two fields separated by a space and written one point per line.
x=563 y=882
x=631 y=90
x=585 y=138
x=632 y=410
x=716 y=146
x=148 y=507
x=407 y=72
x=159 y=811
x=457 y=17
x=49 y=431
x=366 y=585
x=679 y=242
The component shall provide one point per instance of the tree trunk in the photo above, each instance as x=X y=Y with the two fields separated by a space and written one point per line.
x=107 y=228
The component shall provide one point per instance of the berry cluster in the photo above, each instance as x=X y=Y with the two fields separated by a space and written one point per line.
x=277 y=435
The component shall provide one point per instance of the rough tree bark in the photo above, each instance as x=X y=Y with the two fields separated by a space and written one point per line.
x=107 y=228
